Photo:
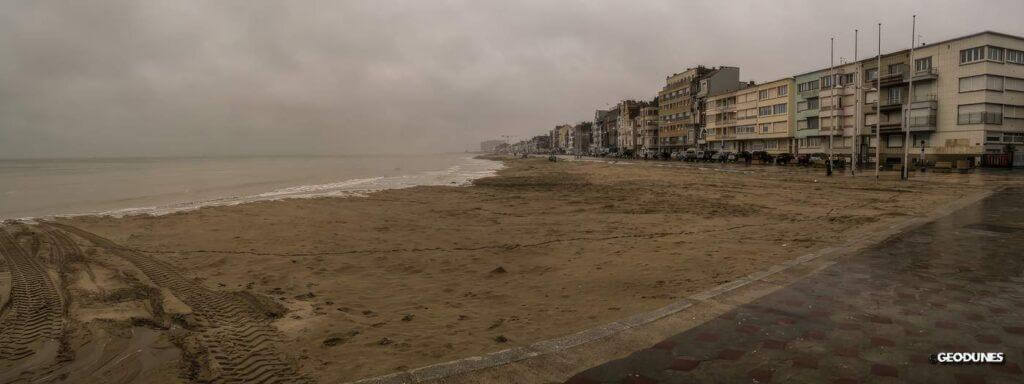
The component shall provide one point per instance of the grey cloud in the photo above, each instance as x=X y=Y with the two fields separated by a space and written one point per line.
x=112 y=78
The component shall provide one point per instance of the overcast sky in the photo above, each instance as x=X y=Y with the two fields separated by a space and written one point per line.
x=170 y=78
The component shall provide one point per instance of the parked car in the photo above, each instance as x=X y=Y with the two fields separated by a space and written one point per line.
x=690 y=155
x=706 y=156
x=784 y=158
x=761 y=156
x=723 y=156
x=803 y=159
x=741 y=156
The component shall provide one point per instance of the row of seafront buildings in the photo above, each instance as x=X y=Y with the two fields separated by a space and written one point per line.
x=968 y=100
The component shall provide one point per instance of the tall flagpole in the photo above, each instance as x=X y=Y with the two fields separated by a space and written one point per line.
x=878 y=105
x=832 y=83
x=910 y=102
x=854 y=147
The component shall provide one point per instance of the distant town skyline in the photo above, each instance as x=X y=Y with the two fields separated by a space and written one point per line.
x=196 y=78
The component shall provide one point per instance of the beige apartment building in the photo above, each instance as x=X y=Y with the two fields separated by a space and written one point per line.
x=682 y=103
x=968 y=98
x=756 y=118
x=646 y=124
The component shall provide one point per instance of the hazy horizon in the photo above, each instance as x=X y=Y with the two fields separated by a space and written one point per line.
x=255 y=78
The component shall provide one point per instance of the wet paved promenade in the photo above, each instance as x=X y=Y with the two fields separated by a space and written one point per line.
x=953 y=285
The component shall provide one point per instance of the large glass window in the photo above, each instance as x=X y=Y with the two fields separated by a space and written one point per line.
x=923 y=64
x=808 y=86
x=871 y=74
x=971 y=55
x=812 y=103
x=995 y=53
x=981 y=82
x=1014 y=56
x=783 y=90
x=1014 y=84
x=981 y=113
x=812 y=122
x=780 y=108
x=764 y=111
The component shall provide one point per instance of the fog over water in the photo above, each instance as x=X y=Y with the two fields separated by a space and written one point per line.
x=184 y=78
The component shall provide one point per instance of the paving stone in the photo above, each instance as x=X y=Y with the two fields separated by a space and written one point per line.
x=963 y=378
x=730 y=354
x=875 y=316
x=761 y=375
x=884 y=370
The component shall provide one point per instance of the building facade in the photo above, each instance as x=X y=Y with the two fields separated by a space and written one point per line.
x=682 y=103
x=968 y=98
x=755 y=118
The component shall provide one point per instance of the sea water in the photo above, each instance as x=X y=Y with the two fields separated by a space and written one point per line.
x=124 y=186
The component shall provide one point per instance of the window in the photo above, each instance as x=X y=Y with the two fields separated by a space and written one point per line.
x=745 y=129
x=894 y=141
x=1014 y=56
x=801 y=106
x=812 y=103
x=813 y=123
x=981 y=113
x=808 y=86
x=783 y=90
x=923 y=64
x=780 y=108
x=1014 y=84
x=846 y=78
x=763 y=94
x=971 y=55
x=765 y=128
x=772 y=144
x=981 y=82
x=995 y=138
x=1013 y=111
x=871 y=74
x=1013 y=137
x=895 y=68
x=895 y=95
x=995 y=53
x=764 y=111
x=826 y=82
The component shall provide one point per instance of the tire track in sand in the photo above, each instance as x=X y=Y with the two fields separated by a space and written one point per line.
x=239 y=342
x=36 y=309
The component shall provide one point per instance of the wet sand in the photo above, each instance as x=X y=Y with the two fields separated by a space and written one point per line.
x=350 y=288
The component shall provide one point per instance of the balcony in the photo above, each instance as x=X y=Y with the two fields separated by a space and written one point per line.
x=894 y=77
x=808 y=94
x=891 y=103
x=922 y=123
x=926 y=74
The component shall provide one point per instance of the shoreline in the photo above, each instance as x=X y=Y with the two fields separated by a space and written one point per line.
x=412 y=277
x=292 y=192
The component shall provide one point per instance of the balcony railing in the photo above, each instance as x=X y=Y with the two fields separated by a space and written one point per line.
x=891 y=102
x=922 y=121
x=893 y=77
x=980 y=118
x=926 y=74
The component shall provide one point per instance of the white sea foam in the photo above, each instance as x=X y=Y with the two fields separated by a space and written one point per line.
x=456 y=176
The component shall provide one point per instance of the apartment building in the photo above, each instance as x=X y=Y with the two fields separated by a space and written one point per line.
x=646 y=124
x=560 y=138
x=755 y=118
x=605 y=132
x=681 y=104
x=968 y=98
x=579 y=138
x=626 y=132
x=828 y=104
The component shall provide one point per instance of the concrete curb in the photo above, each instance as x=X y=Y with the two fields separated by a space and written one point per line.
x=494 y=359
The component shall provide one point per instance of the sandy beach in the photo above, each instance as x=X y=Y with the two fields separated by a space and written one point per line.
x=341 y=289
